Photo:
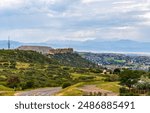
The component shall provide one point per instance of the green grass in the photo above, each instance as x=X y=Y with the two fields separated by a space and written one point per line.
x=3 y=88
x=111 y=86
x=115 y=60
x=7 y=93
x=22 y=65
x=77 y=75
x=71 y=91
x=120 y=61
x=74 y=89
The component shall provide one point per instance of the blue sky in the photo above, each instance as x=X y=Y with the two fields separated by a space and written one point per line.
x=43 y=20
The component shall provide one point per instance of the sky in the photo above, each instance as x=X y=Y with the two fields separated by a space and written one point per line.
x=78 y=20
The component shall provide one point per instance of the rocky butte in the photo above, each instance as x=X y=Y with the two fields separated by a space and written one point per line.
x=46 y=50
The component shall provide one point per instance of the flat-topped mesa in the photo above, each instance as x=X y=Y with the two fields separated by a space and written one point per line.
x=46 y=50
x=40 y=49
x=61 y=51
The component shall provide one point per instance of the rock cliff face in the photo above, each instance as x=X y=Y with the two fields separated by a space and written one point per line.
x=63 y=50
x=46 y=50
x=40 y=49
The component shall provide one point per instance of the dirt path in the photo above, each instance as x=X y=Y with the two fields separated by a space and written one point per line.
x=93 y=89
x=40 y=92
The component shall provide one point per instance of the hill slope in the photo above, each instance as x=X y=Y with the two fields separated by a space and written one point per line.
x=24 y=56
x=73 y=60
x=28 y=69
x=67 y=59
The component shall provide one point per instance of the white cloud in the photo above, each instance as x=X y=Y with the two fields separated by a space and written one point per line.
x=120 y=33
x=10 y=3
x=91 y=1
x=123 y=2
x=129 y=6
x=146 y=15
x=123 y=28
x=74 y=19
x=81 y=35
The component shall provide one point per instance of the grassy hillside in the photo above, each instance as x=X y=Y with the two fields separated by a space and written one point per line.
x=67 y=59
x=24 y=56
x=73 y=60
x=21 y=70
x=100 y=86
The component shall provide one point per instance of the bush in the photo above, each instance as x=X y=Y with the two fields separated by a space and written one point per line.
x=95 y=70
x=66 y=84
x=129 y=78
x=13 y=81
x=148 y=93
x=126 y=92
x=12 y=65
x=6 y=64
x=117 y=71
x=129 y=94
x=86 y=78
x=112 y=78
x=123 y=90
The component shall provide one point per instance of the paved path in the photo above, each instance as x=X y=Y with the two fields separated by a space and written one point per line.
x=40 y=92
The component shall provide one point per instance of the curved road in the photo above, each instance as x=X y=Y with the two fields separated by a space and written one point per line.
x=40 y=92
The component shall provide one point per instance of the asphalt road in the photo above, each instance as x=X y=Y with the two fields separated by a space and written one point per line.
x=40 y=92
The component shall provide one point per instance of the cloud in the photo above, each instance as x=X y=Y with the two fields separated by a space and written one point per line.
x=8 y=4
x=40 y=20
x=91 y=1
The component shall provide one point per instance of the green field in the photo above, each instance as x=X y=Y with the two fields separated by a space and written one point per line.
x=115 y=60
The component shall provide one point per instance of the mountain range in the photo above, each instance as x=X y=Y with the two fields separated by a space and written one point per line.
x=91 y=46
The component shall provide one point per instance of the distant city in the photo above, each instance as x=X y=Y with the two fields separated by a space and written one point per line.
x=113 y=61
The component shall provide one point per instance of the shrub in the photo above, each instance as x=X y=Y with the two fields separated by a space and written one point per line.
x=13 y=81
x=117 y=71
x=126 y=92
x=66 y=84
x=123 y=90
x=129 y=94
x=95 y=70
x=99 y=94
x=112 y=77
x=86 y=78
x=148 y=93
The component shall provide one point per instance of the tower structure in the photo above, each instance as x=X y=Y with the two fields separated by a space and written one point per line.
x=8 y=42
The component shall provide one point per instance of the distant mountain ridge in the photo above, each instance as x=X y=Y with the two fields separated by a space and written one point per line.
x=16 y=44
x=4 y=44
x=92 y=45
x=109 y=46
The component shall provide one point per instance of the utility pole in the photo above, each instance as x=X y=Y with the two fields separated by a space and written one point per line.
x=8 y=42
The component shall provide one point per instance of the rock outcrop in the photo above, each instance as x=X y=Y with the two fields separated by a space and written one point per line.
x=40 y=49
x=46 y=50
x=61 y=51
